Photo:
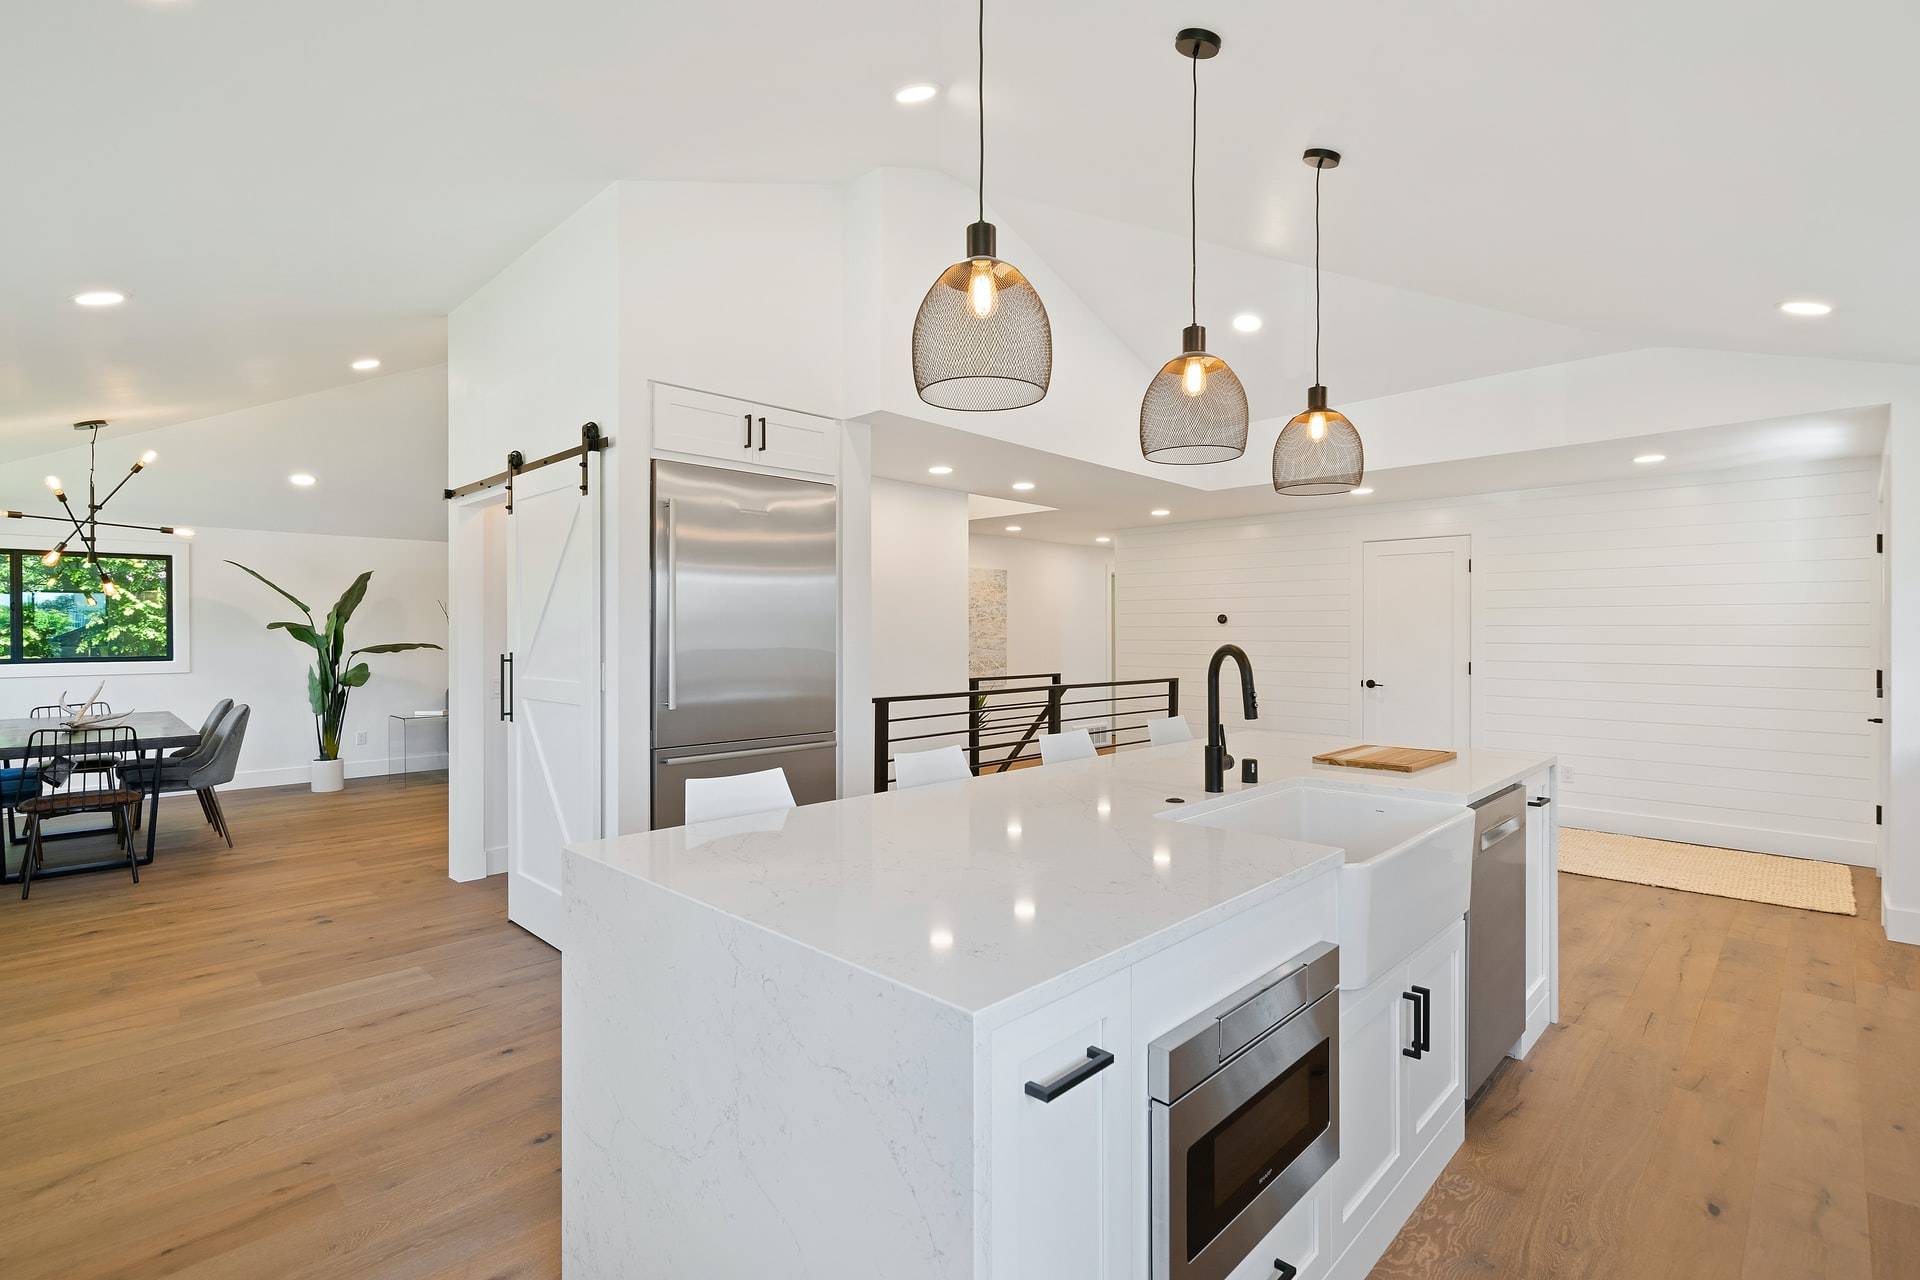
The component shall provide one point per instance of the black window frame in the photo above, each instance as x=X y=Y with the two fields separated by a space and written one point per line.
x=12 y=652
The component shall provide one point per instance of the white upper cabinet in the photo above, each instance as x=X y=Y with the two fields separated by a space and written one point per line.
x=743 y=434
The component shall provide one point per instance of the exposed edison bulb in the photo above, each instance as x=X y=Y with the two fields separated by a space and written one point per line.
x=53 y=483
x=182 y=532
x=1317 y=427
x=146 y=459
x=88 y=597
x=983 y=292
x=111 y=587
x=1193 y=377
x=51 y=559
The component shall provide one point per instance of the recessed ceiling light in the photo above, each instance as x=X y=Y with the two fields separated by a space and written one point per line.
x=100 y=298
x=1361 y=492
x=1648 y=459
x=1023 y=486
x=1159 y=511
x=1103 y=538
x=912 y=95
x=361 y=366
x=1806 y=308
x=301 y=480
x=1013 y=528
x=939 y=471
x=1247 y=322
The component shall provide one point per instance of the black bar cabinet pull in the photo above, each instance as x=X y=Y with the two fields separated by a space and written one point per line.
x=1426 y=1018
x=763 y=434
x=1413 y=1050
x=1098 y=1060
x=1539 y=803
x=1284 y=1270
x=749 y=443
x=506 y=686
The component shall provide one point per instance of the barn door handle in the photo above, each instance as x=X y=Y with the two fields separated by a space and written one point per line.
x=506 y=686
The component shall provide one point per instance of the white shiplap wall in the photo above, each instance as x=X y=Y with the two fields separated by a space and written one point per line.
x=1698 y=650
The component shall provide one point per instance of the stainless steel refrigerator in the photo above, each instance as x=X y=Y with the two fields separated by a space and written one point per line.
x=746 y=607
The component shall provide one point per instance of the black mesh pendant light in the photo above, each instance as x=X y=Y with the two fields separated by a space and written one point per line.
x=1195 y=409
x=1318 y=452
x=981 y=340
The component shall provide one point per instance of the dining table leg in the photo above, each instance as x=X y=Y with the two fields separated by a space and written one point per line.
x=153 y=805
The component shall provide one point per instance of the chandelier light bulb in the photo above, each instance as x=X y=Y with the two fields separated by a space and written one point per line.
x=146 y=459
x=112 y=588
x=53 y=483
x=182 y=533
x=1317 y=427
x=52 y=557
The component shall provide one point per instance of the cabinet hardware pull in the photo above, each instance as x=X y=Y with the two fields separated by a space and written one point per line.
x=1876 y=720
x=1540 y=803
x=763 y=435
x=1098 y=1060
x=749 y=443
x=1426 y=1018
x=1371 y=684
x=1413 y=1050
x=1284 y=1270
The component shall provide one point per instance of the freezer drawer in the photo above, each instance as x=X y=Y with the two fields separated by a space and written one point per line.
x=811 y=767
x=745 y=607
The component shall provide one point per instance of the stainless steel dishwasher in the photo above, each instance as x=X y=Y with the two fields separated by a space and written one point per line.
x=1496 y=933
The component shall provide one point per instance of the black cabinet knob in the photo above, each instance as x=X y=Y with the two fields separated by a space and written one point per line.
x=1372 y=684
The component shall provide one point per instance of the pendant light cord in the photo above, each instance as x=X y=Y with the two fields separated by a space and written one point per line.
x=1193 y=199
x=1317 y=171
x=981 y=95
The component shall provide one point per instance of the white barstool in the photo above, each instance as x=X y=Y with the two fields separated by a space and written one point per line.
x=1168 y=730
x=919 y=768
x=711 y=799
x=1074 y=744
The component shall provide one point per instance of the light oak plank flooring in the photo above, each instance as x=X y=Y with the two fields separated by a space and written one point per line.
x=313 y=1056
x=1733 y=1092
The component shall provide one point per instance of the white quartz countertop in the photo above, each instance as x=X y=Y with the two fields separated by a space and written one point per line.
x=979 y=891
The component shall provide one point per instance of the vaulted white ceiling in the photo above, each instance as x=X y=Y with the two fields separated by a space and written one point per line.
x=282 y=188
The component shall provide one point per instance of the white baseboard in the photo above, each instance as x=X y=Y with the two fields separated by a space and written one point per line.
x=370 y=767
x=496 y=860
x=1792 y=844
x=1901 y=923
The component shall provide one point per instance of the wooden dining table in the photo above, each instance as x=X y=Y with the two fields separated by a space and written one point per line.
x=158 y=731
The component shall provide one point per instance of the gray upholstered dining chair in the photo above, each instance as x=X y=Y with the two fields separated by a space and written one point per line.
x=207 y=726
x=210 y=767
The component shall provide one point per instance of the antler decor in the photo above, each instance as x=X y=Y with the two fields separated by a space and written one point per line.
x=334 y=674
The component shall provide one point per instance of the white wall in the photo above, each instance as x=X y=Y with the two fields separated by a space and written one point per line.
x=919 y=589
x=1056 y=604
x=1699 y=650
x=232 y=654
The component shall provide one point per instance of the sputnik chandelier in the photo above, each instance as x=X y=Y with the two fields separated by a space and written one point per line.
x=86 y=528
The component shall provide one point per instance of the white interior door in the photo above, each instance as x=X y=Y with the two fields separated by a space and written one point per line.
x=1416 y=638
x=553 y=627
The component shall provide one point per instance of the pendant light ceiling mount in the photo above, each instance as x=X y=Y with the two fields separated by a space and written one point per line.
x=1318 y=452
x=981 y=340
x=1195 y=410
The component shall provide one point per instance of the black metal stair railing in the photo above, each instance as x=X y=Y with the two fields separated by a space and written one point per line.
x=999 y=724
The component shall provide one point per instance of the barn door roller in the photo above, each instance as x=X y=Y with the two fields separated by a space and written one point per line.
x=591 y=442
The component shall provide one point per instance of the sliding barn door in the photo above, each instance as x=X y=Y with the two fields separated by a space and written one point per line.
x=554 y=742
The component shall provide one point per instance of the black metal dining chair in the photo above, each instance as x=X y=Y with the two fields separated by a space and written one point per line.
x=60 y=711
x=55 y=757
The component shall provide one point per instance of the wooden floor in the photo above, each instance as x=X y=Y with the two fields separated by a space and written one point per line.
x=1733 y=1090
x=314 y=1056
x=311 y=1055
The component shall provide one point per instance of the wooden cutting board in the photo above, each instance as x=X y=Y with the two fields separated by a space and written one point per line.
x=1391 y=759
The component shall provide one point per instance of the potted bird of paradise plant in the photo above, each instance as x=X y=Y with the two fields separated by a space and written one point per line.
x=334 y=675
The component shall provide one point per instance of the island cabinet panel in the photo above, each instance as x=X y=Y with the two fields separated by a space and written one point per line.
x=1062 y=1170
x=1402 y=1097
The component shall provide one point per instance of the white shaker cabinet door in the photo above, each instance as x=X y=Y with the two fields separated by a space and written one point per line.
x=742 y=433
x=1436 y=975
x=1062 y=1170
x=1375 y=1025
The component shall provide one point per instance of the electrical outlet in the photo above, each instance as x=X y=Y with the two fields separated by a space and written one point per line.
x=360 y=738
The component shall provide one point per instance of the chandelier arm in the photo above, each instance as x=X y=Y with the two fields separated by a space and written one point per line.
x=101 y=505
x=86 y=539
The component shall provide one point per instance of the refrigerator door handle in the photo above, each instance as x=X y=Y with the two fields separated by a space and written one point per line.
x=703 y=756
x=673 y=606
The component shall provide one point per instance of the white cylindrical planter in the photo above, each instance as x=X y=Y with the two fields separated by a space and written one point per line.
x=329 y=775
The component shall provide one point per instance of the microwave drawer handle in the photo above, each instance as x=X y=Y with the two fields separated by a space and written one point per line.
x=1500 y=831
x=1098 y=1060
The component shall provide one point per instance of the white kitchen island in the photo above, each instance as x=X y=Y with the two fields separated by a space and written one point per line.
x=797 y=1044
